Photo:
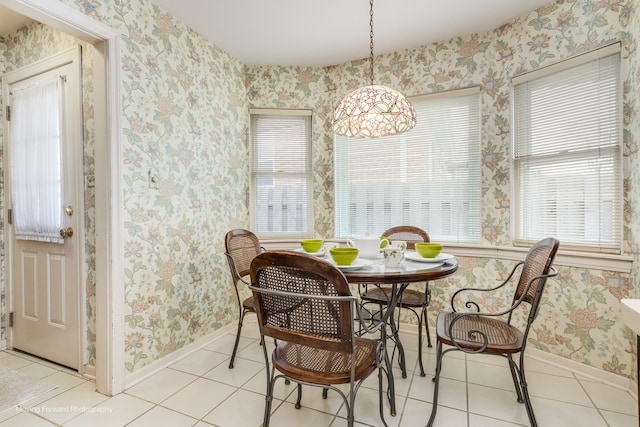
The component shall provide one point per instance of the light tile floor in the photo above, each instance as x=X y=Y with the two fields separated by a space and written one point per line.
x=200 y=390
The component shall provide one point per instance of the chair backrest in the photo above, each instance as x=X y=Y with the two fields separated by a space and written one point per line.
x=537 y=263
x=241 y=247
x=302 y=299
x=408 y=233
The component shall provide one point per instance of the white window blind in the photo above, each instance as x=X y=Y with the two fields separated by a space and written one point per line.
x=567 y=156
x=281 y=179
x=428 y=177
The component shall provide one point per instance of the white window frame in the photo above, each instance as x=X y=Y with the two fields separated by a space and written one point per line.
x=524 y=227
x=305 y=173
x=435 y=207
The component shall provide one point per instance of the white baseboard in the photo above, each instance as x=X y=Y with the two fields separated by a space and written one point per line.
x=156 y=366
x=89 y=372
x=614 y=380
x=587 y=371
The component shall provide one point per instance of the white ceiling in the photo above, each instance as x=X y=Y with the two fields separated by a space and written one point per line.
x=11 y=21
x=330 y=32
x=327 y=32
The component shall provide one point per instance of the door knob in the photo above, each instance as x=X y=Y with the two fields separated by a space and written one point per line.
x=66 y=232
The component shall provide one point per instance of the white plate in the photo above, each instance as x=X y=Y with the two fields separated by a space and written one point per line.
x=319 y=253
x=414 y=256
x=356 y=265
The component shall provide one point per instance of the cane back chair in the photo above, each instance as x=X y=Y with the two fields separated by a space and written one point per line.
x=241 y=247
x=414 y=300
x=493 y=333
x=306 y=304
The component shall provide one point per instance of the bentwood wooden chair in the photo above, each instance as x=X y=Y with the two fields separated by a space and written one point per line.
x=306 y=304
x=493 y=333
x=241 y=247
x=414 y=300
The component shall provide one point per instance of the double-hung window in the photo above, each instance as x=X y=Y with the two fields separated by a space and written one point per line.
x=281 y=178
x=428 y=177
x=567 y=154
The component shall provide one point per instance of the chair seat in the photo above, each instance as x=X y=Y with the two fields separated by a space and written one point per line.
x=502 y=337
x=411 y=298
x=249 y=305
x=478 y=332
x=319 y=366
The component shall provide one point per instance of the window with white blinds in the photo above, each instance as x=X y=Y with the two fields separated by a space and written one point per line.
x=281 y=178
x=567 y=153
x=428 y=177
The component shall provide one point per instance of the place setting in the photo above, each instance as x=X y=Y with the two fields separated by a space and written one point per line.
x=365 y=251
x=344 y=258
x=360 y=252
x=312 y=247
x=428 y=252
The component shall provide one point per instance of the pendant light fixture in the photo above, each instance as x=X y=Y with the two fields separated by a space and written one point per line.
x=373 y=111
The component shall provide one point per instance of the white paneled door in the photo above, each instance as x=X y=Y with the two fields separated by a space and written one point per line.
x=43 y=177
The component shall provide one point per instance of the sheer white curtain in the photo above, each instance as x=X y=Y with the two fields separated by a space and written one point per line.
x=36 y=164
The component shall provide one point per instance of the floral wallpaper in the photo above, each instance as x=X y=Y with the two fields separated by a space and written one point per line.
x=18 y=49
x=185 y=121
x=580 y=317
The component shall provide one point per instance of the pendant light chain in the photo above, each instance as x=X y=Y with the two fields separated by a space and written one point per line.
x=371 y=40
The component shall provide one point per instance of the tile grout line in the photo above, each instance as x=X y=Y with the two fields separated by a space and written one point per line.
x=597 y=408
x=335 y=421
x=590 y=398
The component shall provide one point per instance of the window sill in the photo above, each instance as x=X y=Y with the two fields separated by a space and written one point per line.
x=606 y=262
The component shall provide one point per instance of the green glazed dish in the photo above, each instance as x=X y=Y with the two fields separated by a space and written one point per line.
x=311 y=245
x=344 y=256
x=428 y=249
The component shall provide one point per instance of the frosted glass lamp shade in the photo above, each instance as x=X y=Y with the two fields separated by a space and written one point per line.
x=373 y=111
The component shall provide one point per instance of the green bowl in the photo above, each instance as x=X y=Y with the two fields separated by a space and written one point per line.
x=311 y=245
x=344 y=256
x=428 y=250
